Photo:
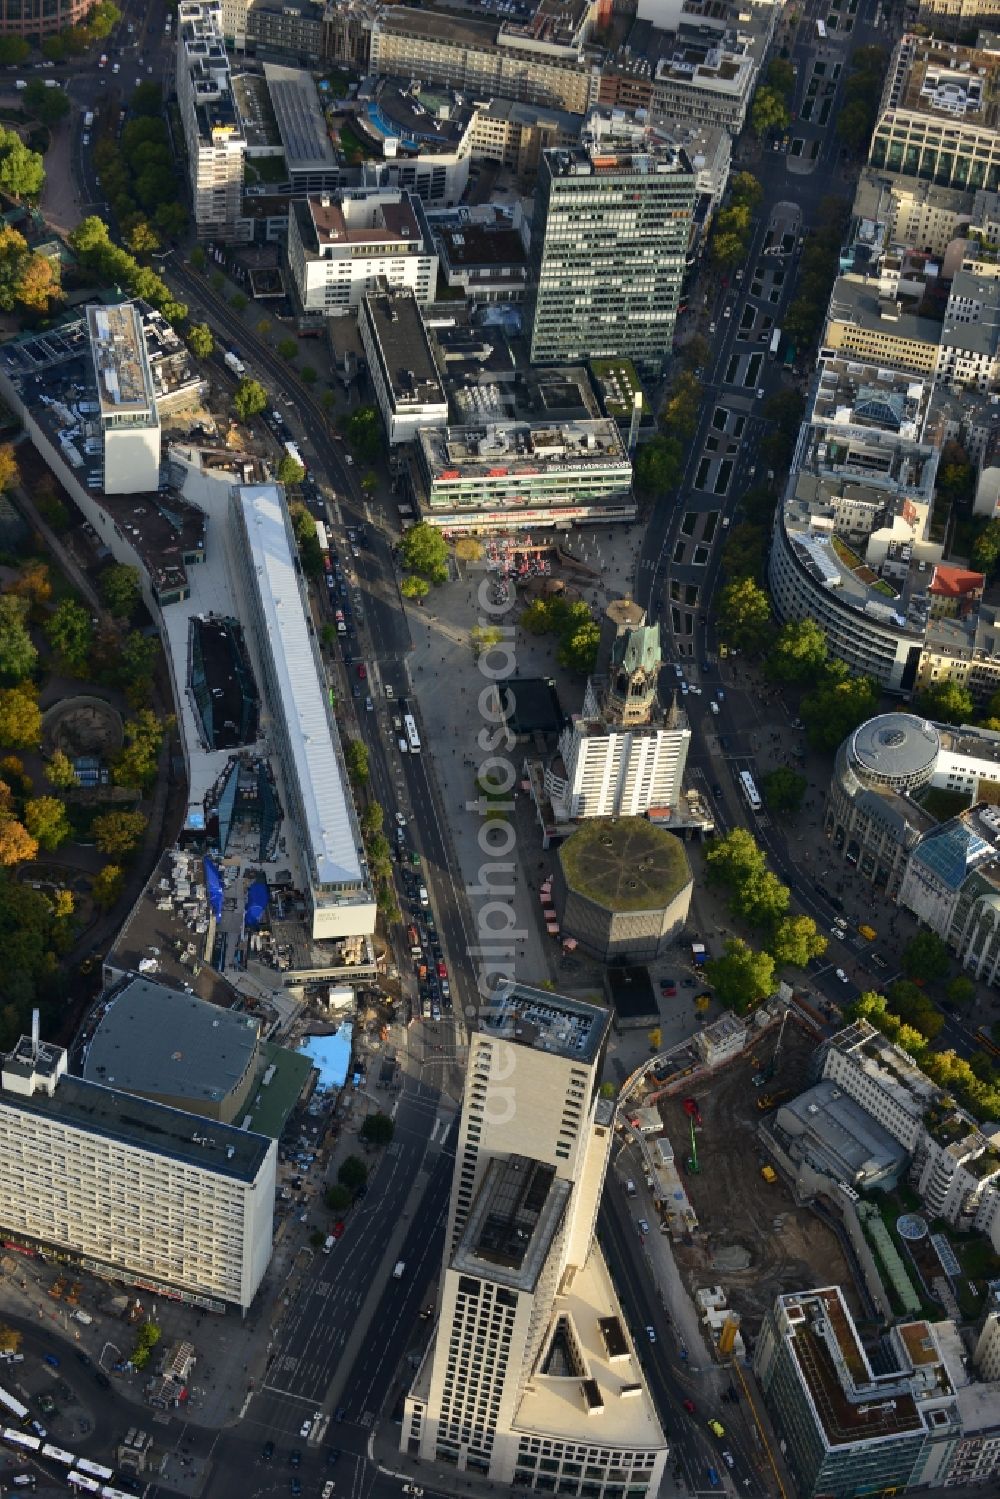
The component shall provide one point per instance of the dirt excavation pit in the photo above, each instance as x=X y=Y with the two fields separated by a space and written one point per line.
x=753 y=1239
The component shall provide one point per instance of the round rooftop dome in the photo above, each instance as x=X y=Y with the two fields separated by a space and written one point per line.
x=895 y=749
x=912 y=1226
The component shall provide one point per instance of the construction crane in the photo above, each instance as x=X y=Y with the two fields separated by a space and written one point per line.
x=772 y=1065
x=692 y=1164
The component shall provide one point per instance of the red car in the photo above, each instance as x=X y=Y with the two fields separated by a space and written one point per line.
x=688 y=1406
x=338 y=1229
x=442 y=971
x=362 y=671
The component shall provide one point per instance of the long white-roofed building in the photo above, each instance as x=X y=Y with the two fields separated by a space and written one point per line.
x=306 y=738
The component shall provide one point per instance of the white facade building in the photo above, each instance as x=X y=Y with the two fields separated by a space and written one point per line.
x=307 y=741
x=341 y=245
x=618 y=772
x=130 y=1188
x=954 y=1163
x=213 y=132
x=129 y=422
x=531 y=1377
x=401 y=365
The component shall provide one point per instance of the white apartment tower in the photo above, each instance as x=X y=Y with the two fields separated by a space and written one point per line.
x=341 y=246
x=213 y=131
x=130 y=425
x=621 y=757
x=531 y=1375
x=132 y=1189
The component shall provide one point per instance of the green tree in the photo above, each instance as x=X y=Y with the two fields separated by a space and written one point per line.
x=658 y=466
x=290 y=471
x=22 y=171
x=784 y=789
x=745 y=188
x=363 y=430
x=798 y=651
x=372 y=819
x=59 y=772
x=578 y=648
x=413 y=587
x=46 y=819
x=118 y=833
x=13 y=50
x=961 y=990
x=425 y=551
x=356 y=756
x=20 y=717
x=682 y=406
x=352 y=1173
x=769 y=111
x=781 y=78
x=18 y=656
x=914 y=1008
x=796 y=941
x=142 y=238
x=742 y=976
x=288 y=348
x=378 y=1129
x=727 y=249
x=744 y=614
x=49 y=105
x=308 y=374
x=71 y=635
x=107 y=884
x=837 y=704
x=249 y=400
x=696 y=353
x=201 y=340
x=925 y=957
x=338 y=1198
x=120 y=589
x=147 y=101
x=762 y=901
x=744 y=552
x=946 y=702
x=135 y=661
x=238 y=302
x=985 y=552
x=138 y=759
x=734 y=859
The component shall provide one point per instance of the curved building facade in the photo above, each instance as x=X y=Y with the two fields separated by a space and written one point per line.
x=870 y=817
x=41 y=17
x=808 y=580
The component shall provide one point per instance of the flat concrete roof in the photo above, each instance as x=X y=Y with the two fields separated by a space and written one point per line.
x=548 y=1022
x=159 y=1040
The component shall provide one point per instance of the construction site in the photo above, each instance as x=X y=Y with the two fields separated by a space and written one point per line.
x=746 y=1232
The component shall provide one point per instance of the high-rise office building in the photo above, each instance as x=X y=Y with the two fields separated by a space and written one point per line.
x=609 y=243
x=127 y=399
x=531 y=1377
x=213 y=131
x=129 y=1188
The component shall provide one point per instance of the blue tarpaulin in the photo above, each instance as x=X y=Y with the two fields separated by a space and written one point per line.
x=213 y=881
x=257 y=899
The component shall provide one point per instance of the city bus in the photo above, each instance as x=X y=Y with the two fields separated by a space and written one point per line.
x=14 y=1407
x=322 y=537
x=95 y=1470
x=409 y=724
x=750 y=791
x=775 y=341
x=821 y=30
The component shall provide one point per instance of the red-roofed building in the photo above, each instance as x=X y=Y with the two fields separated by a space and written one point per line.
x=954 y=591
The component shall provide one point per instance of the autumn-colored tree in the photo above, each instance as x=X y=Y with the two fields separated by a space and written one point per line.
x=107 y=886
x=59 y=772
x=20 y=717
x=46 y=820
x=39 y=285
x=10 y=474
x=16 y=843
x=33 y=582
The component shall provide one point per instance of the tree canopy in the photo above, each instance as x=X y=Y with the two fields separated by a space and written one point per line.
x=71 y=634
x=22 y=171
x=744 y=614
x=742 y=976
x=18 y=656
x=20 y=717
x=363 y=430
x=120 y=589
x=137 y=761
x=27 y=279
x=925 y=957
x=797 y=652
x=201 y=340
x=290 y=471
x=425 y=551
x=784 y=789
x=946 y=702
x=249 y=399
x=837 y=704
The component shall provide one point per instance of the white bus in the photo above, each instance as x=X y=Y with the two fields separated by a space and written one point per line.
x=750 y=791
x=409 y=724
x=292 y=449
x=96 y=1470
x=322 y=537
x=13 y=1407
x=821 y=30
x=775 y=341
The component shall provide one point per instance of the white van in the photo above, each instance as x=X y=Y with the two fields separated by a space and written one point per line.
x=422 y=894
x=714 y=707
x=404 y=748
x=330 y=1241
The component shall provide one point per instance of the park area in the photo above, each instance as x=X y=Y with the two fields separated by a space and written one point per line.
x=753 y=1239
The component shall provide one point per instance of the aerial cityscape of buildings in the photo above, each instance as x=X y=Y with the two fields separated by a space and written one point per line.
x=445 y=937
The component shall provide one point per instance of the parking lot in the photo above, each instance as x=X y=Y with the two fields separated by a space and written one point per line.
x=754 y=1240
